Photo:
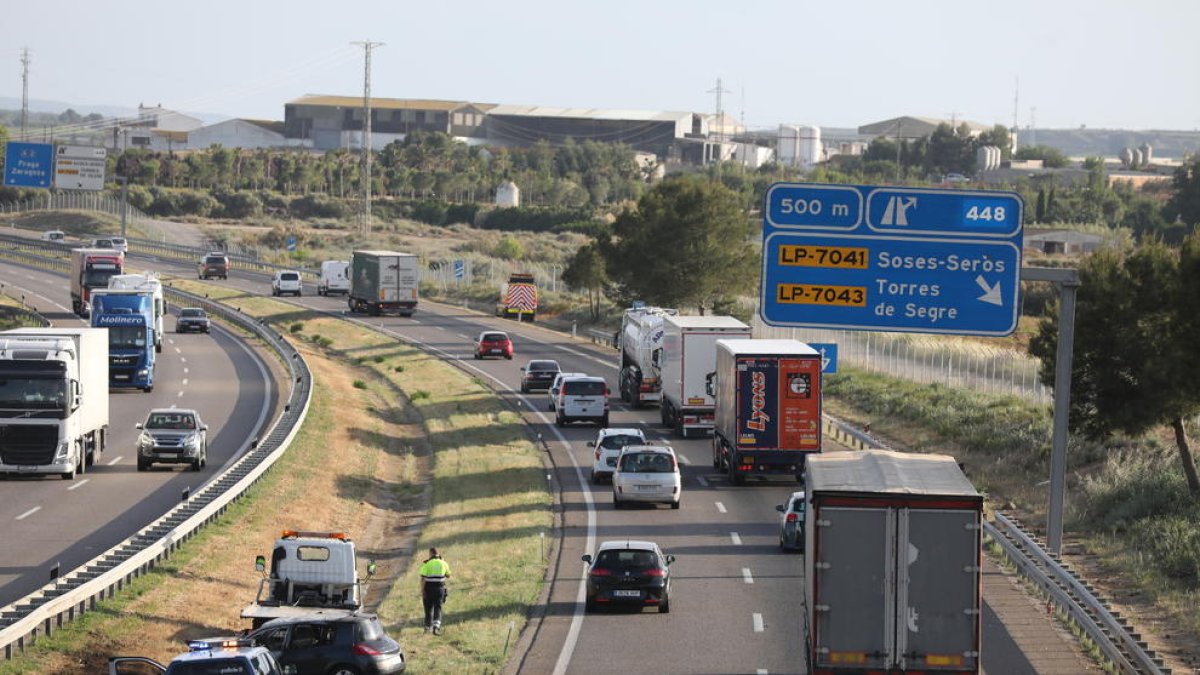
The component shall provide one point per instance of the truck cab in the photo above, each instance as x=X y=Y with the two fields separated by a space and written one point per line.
x=129 y=317
x=306 y=570
x=519 y=298
x=91 y=268
x=145 y=282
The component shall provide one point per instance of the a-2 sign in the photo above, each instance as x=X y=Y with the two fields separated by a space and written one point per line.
x=894 y=259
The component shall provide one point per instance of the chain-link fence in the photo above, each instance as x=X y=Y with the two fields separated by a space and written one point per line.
x=928 y=359
x=84 y=200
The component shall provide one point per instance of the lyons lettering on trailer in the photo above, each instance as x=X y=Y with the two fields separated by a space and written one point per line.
x=120 y=320
x=779 y=400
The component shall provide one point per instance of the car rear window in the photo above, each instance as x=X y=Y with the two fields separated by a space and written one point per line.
x=370 y=629
x=289 y=276
x=214 y=260
x=618 y=441
x=583 y=388
x=647 y=462
x=544 y=366
x=494 y=337
x=627 y=559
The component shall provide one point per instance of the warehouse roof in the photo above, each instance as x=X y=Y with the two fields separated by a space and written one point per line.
x=914 y=127
x=590 y=113
x=383 y=103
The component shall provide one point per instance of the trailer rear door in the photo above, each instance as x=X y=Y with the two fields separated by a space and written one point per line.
x=853 y=572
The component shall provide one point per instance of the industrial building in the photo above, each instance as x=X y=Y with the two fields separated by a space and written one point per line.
x=332 y=122
x=909 y=127
x=657 y=132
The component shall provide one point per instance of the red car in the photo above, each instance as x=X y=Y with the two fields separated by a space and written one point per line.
x=493 y=343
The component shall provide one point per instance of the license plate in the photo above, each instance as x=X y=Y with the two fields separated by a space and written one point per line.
x=647 y=488
x=626 y=594
x=747 y=459
x=120 y=377
x=497 y=351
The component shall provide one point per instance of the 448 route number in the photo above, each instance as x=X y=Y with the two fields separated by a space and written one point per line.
x=818 y=294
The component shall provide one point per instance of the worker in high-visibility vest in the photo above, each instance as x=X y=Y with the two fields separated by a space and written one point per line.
x=434 y=574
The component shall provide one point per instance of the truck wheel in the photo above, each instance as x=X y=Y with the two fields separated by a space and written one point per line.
x=158 y=348
x=148 y=389
x=675 y=504
x=142 y=466
x=735 y=477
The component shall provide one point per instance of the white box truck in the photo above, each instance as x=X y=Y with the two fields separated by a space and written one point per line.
x=383 y=281
x=145 y=282
x=892 y=565
x=53 y=400
x=689 y=348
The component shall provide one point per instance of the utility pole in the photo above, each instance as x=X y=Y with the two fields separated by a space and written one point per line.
x=24 y=91
x=719 y=122
x=1016 y=102
x=1033 y=125
x=367 y=46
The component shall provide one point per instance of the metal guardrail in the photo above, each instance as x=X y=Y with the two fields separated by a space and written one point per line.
x=1111 y=633
x=79 y=591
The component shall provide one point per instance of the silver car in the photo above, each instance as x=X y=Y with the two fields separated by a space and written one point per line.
x=791 y=522
x=172 y=436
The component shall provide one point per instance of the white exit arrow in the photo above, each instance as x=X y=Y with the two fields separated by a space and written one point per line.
x=824 y=360
x=991 y=294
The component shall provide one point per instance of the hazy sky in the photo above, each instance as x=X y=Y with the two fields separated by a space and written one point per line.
x=1104 y=63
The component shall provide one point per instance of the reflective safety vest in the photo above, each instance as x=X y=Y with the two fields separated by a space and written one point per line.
x=435 y=570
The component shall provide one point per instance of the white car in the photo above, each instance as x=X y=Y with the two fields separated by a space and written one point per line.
x=287 y=282
x=647 y=473
x=120 y=244
x=791 y=522
x=552 y=392
x=609 y=444
x=582 y=399
x=54 y=235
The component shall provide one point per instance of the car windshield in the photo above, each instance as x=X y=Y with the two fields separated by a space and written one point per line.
x=22 y=392
x=171 y=421
x=618 y=441
x=192 y=312
x=647 y=462
x=635 y=559
x=584 y=388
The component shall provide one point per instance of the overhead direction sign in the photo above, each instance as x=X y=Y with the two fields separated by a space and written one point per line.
x=893 y=259
x=79 y=167
x=28 y=164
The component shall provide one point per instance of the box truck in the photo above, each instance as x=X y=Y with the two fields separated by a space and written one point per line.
x=767 y=418
x=689 y=348
x=383 y=281
x=53 y=400
x=892 y=564
x=92 y=268
x=145 y=282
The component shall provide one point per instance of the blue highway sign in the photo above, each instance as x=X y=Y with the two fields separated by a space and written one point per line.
x=891 y=259
x=460 y=269
x=29 y=165
x=828 y=351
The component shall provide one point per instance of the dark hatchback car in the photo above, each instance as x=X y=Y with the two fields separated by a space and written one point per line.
x=630 y=573
x=192 y=319
x=330 y=642
x=538 y=375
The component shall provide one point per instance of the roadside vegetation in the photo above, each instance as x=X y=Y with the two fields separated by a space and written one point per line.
x=412 y=453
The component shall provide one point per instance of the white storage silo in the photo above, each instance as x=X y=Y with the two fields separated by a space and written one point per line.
x=810 y=147
x=508 y=195
x=787 y=149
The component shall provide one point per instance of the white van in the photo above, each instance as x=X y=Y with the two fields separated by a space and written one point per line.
x=286 y=282
x=335 y=277
x=582 y=399
x=54 y=235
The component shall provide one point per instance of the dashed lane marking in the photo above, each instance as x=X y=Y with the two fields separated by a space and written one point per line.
x=758 y=623
x=746 y=576
x=721 y=507
x=115 y=460
x=702 y=480
x=737 y=541
x=28 y=513
x=78 y=484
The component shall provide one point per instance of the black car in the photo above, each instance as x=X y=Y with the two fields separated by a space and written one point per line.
x=630 y=573
x=538 y=375
x=191 y=319
x=334 y=641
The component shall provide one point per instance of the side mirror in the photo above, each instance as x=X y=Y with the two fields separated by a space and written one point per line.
x=780 y=508
x=260 y=563
x=710 y=386
x=670 y=559
x=591 y=444
x=203 y=427
x=138 y=425
x=587 y=558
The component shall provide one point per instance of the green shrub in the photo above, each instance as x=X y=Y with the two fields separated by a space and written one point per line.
x=296 y=327
x=379 y=359
x=398 y=369
x=359 y=384
x=419 y=394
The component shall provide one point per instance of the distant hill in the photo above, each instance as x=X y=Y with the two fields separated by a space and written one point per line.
x=10 y=104
x=1109 y=142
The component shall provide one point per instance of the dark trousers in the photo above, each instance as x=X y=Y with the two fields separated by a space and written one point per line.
x=433 y=596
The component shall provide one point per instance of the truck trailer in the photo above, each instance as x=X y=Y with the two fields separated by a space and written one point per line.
x=892 y=564
x=53 y=400
x=518 y=298
x=91 y=268
x=129 y=317
x=767 y=417
x=383 y=281
x=640 y=342
x=689 y=348
x=145 y=282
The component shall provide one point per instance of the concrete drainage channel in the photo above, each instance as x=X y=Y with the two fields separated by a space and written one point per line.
x=70 y=596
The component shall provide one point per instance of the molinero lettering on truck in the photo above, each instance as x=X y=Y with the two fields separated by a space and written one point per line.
x=780 y=404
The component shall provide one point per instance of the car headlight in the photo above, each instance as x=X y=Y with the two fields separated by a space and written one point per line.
x=61 y=453
x=143 y=372
x=192 y=441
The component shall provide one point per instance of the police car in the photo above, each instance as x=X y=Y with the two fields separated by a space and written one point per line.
x=227 y=657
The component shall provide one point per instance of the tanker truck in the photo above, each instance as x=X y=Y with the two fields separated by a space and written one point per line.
x=640 y=342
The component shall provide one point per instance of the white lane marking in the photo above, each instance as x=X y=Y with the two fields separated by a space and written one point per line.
x=30 y=277
x=684 y=460
x=28 y=513
x=761 y=671
x=182 y=360
x=758 y=623
x=721 y=507
x=746 y=576
x=185 y=380
x=465 y=337
x=179 y=395
x=176 y=405
x=415 y=321
x=78 y=484
x=178 y=350
x=170 y=341
x=185 y=371
x=115 y=460
x=737 y=541
x=262 y=413
x=702 y=480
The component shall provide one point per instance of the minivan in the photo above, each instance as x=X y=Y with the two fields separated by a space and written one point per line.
x=287 y=282
x=335 y=277
x=582 y=399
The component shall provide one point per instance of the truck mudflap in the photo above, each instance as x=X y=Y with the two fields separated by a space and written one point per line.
x=741 y=463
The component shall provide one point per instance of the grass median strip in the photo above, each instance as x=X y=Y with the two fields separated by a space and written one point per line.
x=390 y=428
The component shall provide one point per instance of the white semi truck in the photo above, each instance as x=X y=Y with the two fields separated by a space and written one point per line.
x=53 y=400
x=640 y=342
x=145 y=282
x=689 y=348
